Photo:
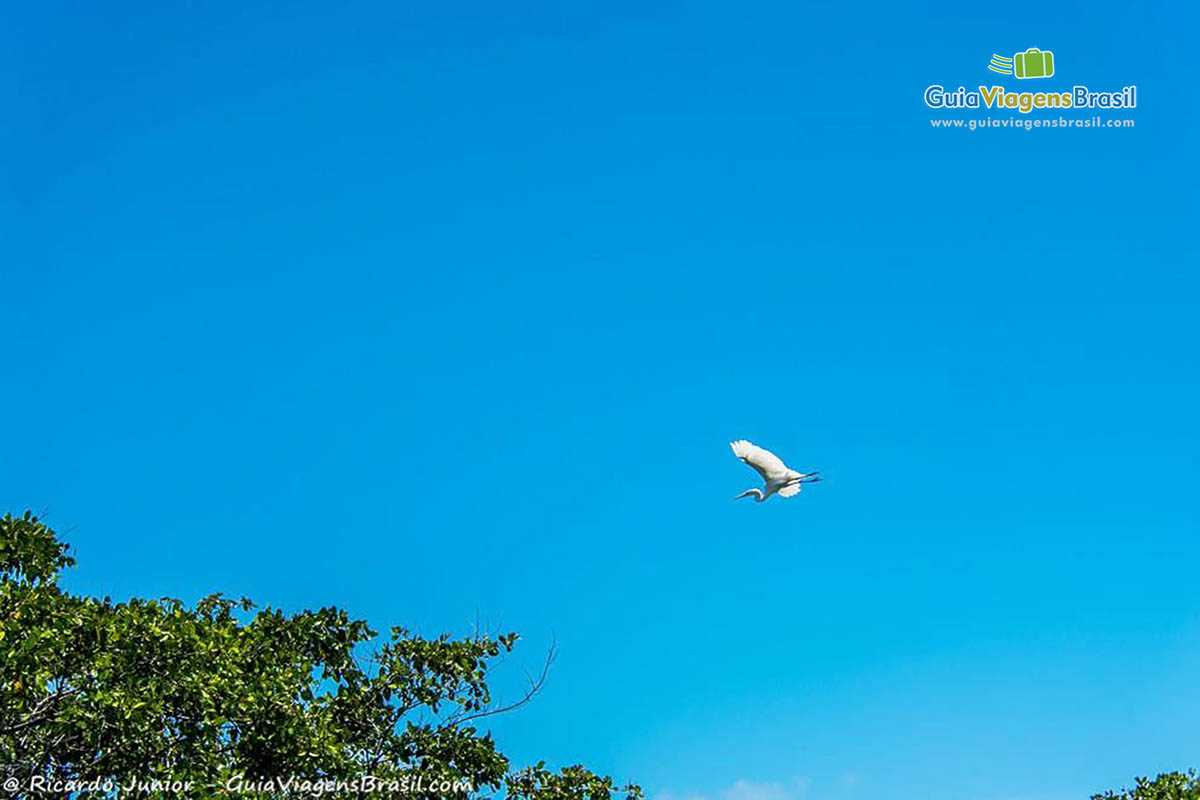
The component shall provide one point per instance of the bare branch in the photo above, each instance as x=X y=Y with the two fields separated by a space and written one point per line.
x=535 y=687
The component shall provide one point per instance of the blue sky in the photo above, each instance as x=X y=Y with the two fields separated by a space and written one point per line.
x=442 y=311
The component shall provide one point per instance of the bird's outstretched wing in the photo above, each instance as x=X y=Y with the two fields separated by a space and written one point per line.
x=791 y=490
x=764 y=462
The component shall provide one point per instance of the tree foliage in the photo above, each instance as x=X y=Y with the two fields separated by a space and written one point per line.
x=1167 y=786
x=155 y=690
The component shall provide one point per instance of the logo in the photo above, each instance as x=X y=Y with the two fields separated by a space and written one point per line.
x=1033 y=63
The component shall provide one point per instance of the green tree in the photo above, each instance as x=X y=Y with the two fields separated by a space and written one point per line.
x=1167 y=786
x=155 y=690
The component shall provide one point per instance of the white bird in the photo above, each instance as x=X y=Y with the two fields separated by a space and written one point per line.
x=779 y=479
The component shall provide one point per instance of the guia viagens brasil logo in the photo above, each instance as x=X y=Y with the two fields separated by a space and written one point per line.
x=1026 y=65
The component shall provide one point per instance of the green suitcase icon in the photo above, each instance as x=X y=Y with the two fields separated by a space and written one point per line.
x=1033 y=63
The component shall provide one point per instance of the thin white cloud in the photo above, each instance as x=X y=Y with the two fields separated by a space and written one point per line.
x=766 y=790
x=743 y=789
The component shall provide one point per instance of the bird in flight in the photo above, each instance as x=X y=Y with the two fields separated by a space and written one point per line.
x=779 y=479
